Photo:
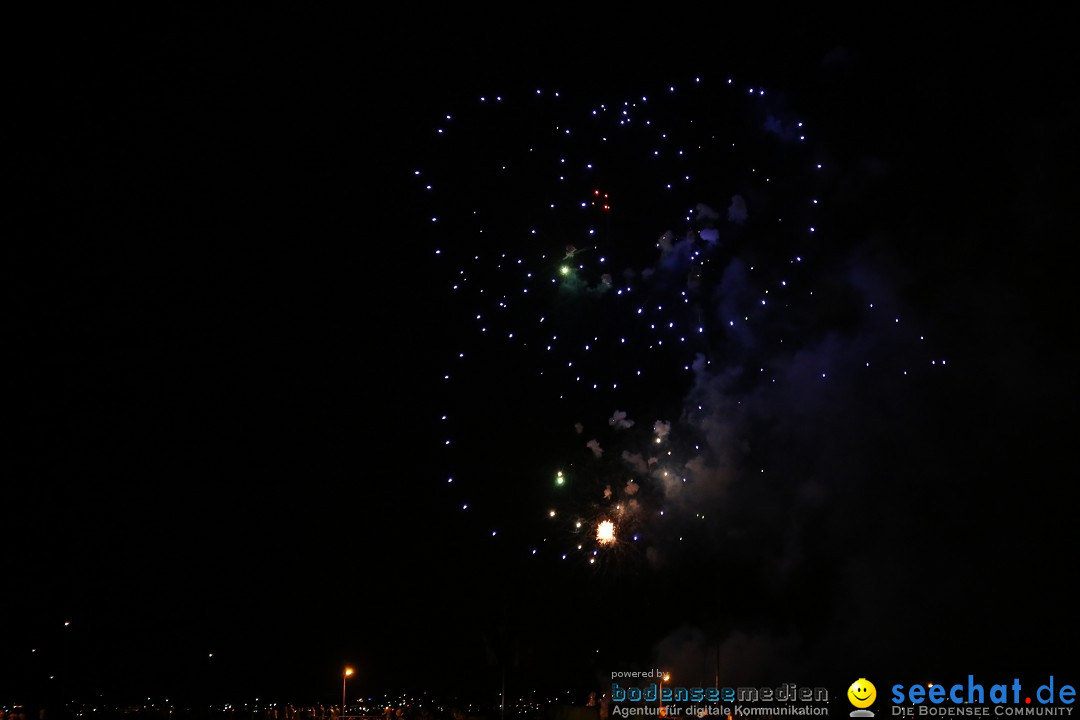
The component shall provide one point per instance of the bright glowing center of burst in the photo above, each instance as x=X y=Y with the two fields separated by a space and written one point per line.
x=605 y=532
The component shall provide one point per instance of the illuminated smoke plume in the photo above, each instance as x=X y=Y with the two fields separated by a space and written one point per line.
x=619 y=421
x=636 y=462
x=661 y=429
x=737 y=212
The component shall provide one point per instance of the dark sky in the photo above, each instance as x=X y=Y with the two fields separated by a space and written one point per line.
x=224 y=328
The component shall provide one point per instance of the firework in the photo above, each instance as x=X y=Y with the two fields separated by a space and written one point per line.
x=605 y=532
x=647 y=263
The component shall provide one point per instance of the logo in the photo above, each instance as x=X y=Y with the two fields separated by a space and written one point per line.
x=862 y=694
x=974 y=698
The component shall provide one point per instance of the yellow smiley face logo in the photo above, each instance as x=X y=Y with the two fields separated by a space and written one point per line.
x=862 y=693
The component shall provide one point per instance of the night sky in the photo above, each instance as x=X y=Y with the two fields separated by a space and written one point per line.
x=228 y=332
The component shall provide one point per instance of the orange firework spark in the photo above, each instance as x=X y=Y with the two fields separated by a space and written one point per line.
x=605 y=532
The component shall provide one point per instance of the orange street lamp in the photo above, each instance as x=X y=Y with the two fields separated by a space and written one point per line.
x=348 y=671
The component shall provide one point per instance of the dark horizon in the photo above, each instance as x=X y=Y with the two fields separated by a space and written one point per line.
x=230 y=327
